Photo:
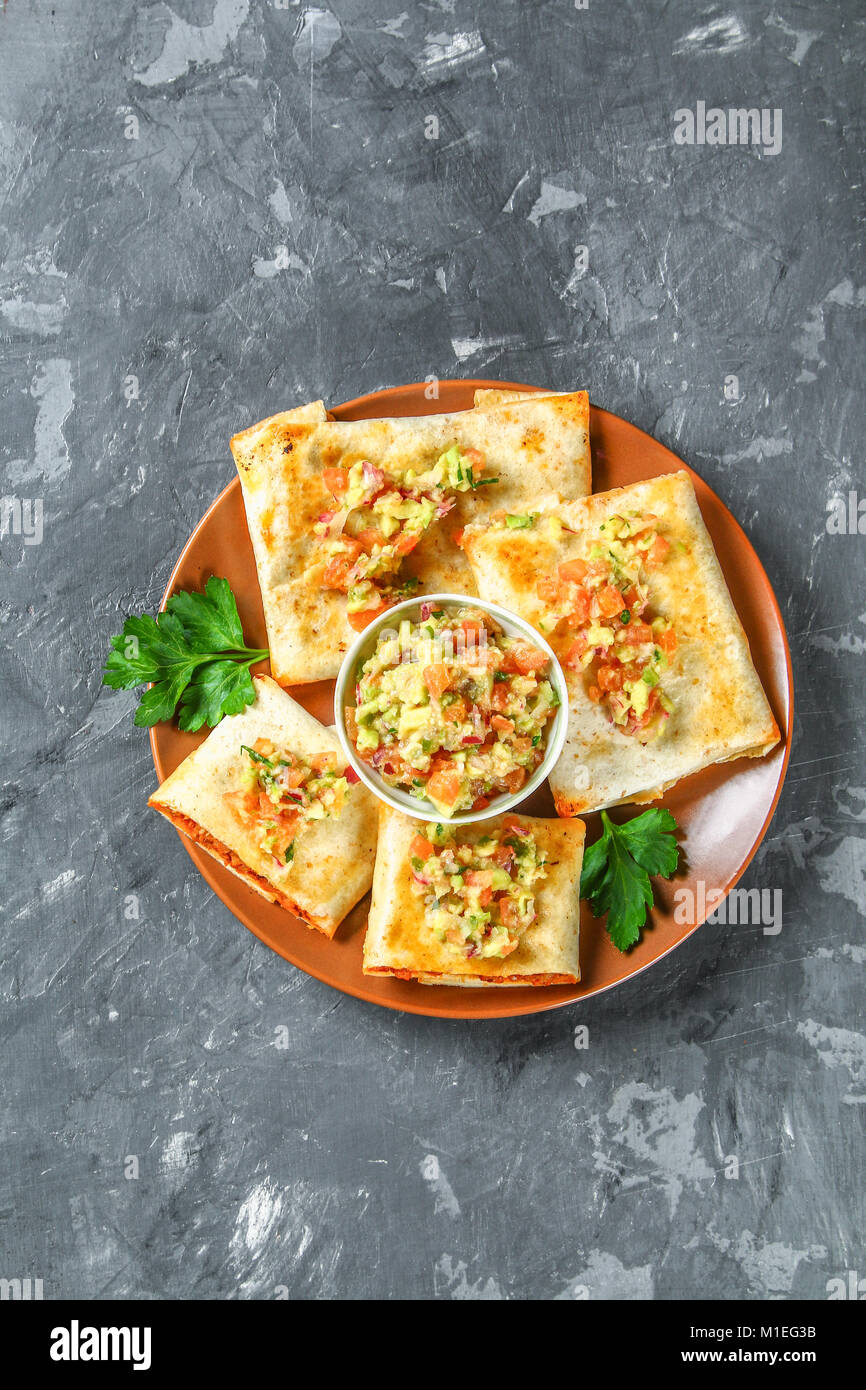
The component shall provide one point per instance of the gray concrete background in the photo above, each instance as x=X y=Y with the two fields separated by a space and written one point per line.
x=281 y=228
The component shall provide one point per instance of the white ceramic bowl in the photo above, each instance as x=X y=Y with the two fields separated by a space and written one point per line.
x=363 y=647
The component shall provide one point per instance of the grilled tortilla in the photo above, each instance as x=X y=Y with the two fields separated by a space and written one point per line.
x=400 y=941
x=718 y=709
x=536 y=449
x=333 y=858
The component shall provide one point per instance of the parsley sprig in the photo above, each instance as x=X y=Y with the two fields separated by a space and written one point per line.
x=193 y=655
x=618 y=867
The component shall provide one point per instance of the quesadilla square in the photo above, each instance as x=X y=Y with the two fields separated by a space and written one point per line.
x=347 y=517
x=496 y=903
x=269 y=796
x=627 y=588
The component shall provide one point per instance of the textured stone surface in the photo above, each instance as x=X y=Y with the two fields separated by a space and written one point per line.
x=282 y=227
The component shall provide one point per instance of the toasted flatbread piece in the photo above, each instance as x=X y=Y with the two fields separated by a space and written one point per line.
x=537 y=450
x=487 y=396
x=333 y=862
x=720 y=711
x=398 y=941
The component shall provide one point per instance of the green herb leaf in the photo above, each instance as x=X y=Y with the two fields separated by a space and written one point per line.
x=217 y=688
x=617 y=869
x=260 y=757
x=192 y=655
x=211 y=619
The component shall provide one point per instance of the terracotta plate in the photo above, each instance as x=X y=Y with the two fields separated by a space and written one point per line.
x=723 y=811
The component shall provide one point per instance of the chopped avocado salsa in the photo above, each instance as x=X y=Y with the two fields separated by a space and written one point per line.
x=459 y=716
x=379 y=516
x=597 y=609
x=278 y=790
x=478 y=893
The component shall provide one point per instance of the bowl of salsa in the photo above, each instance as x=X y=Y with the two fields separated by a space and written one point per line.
x=450 y=708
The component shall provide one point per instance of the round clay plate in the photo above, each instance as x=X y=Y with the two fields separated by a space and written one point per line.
x=723 y=811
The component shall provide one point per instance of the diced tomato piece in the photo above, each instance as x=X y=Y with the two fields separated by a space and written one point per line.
x=667 y=641
x=632 y=600
x=575 y=652
x=594 y=694
x=609 y=678
x=471 y=627
x=573 y=571
x=512 y=825
x=548 y=590
x=657 y=552
x=509 y=914
x=437 y=679
x=476 y=461
x=406 y=541
x=503 y=855
x=457 y=537
x=336 y=480
x=579 y=609
x=359 y=620
x=479 y=878
x=500 y=722
x=336 y=572
x=284 y=837
x=480 y=804
x=609 y=600
x=350 y=774
x=515 y=780
x=502 y=695
x=370 y=537
x=420 y=848
x=444 y=786
x=636 y=633
x=244 y=804
x=522 y=744
x=527 y=660
x=455 y=713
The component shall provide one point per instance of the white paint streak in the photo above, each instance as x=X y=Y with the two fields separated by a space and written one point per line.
x=769 y=1266
x=448 y=50
x=605 y=1277
x=850 y=641
x=552 y=198
x=176 y=1153
x=844 y=871
x=803 y=38
x=279 y=204
x=443 y=1192
x=52 y=388
x=187 y=45
x=58 y=885
x=838 y=1047
x=659 y=1131
x=450 y=1276
x=317 y=33
x=722 y=35
x=468 y=347
x=36 y=303
x=760 y=448
x=257 y=1216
